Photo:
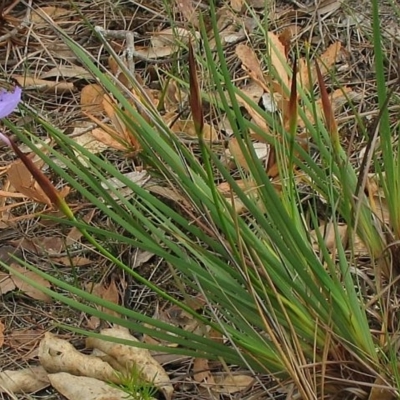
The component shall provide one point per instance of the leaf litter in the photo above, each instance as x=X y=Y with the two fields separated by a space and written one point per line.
x=107 y=132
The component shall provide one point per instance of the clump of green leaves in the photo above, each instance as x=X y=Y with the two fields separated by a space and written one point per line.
x=131 y=382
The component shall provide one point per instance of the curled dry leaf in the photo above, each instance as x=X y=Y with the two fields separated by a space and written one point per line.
x=129 y=356
x=27 y=380
x=84 y=388
x=57 y=355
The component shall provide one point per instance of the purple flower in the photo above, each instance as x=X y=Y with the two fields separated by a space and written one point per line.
x=9 y=101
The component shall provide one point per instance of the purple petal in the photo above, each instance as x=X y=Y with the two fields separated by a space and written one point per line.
x=9 y=101
x=5 y=139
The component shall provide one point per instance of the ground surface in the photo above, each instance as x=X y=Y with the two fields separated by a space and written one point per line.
x=30 y=50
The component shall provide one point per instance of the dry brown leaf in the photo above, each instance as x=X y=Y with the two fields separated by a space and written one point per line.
x=251 y=64
x=328 y=233
x=84 y=388
x=278 y=58
x=92 y=99
x=117 y=72
x=107 y=138
x=237 y=154
x=256 y=117
x=304 y=74
x=22 y=181
x=45 y=245
x=380 y=393
x=118 y=132
x=67 y=71
x=326 y=61
x=327 y=6
x=187 y=127
x=109 y=108
x=90 y=143
x=109 y=293
x=41 y=85
x=26 y=287
x=76 y=261
x=129 y=356
x=329 y=57
x=6 y=283
x=237 y=5
x=170 y=36
x=188 y=12
x=58 y=355
x=230 y=384
x=28 y=380
x=55 y=13
x=287 y=35
x=74 y=235
x=24 y=339
x=252 y=90
x=202 y=373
